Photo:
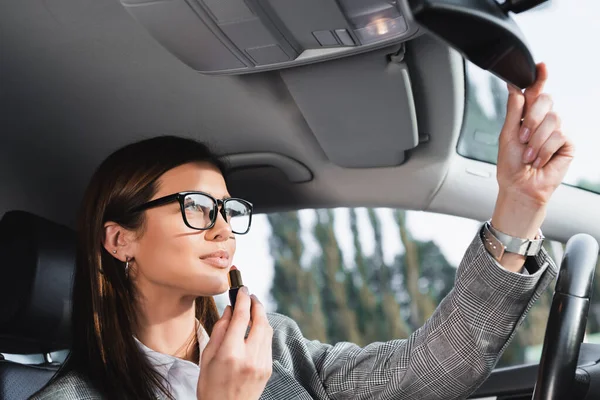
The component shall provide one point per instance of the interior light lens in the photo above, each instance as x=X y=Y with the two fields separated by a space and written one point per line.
x=374 y=21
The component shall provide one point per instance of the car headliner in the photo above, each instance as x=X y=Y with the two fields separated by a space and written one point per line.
x=82 y=78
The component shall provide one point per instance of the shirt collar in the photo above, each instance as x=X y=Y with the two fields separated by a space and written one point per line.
x=164 y=362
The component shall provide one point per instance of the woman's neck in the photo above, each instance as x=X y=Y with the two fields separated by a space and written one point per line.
x=167 y=324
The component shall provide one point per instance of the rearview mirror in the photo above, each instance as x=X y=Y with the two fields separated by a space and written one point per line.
x=483 y=33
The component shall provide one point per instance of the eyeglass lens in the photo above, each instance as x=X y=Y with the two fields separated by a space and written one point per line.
x=199 y=212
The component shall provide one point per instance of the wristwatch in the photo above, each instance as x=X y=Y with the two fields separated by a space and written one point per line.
x=498 y=243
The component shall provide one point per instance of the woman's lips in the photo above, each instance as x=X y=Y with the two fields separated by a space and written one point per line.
x=219 y=259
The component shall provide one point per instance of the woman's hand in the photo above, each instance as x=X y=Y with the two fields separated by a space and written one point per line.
x=533 y=158
x=233 y=367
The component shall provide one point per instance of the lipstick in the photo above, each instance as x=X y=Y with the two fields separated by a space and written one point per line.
x=235 y=283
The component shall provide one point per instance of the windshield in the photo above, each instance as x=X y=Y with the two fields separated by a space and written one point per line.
x=563 y=36
x=365 y=275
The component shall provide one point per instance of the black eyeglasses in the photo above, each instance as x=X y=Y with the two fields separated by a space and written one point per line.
x=199 y=210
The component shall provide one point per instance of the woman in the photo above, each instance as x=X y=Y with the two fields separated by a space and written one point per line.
x=156 y=238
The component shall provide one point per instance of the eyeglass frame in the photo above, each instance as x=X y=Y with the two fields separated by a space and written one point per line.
x=218 y=208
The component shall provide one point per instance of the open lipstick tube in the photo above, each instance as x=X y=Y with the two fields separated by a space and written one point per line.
x=235 y=283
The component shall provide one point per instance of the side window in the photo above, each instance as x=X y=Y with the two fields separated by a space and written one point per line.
x=365 y=275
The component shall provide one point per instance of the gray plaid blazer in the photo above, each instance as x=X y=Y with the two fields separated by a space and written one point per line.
x=447 y=358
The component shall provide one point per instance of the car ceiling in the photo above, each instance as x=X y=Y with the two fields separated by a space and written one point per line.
x=81 y=78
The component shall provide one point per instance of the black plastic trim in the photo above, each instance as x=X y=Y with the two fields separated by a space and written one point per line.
x=520 y=380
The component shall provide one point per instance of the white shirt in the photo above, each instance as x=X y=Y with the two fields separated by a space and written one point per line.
x=179 y=376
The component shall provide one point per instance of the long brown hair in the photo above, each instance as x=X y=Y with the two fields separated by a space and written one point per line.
x=104 y=350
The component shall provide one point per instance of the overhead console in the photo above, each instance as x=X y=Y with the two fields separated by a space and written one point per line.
x=244 y=36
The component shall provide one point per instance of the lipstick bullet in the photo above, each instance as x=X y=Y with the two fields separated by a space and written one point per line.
x=235 y=283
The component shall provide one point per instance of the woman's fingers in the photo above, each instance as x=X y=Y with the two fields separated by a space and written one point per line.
x=514 y=114
x=218 y=334
x=239 y=320
x=260 y=324
x=542 y=132
x=520 y=104
x=260 y=339
x=535 y=90
x=554 y=143
x=240 y=367
x=535 y=116
x=229 y=332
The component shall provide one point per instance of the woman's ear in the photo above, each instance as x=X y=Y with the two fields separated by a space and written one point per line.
x=119 y=242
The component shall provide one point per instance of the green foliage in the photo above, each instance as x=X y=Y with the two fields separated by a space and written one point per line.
x=341 y=320
x=294 y=288
x=361 y=303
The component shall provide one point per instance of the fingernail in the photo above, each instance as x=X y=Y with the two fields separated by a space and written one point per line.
x=524 y=135
x=245 y=290
x=528 y=156
x=255 y=298
x=537 y=162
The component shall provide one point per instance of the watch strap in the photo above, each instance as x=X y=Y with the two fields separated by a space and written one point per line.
x=497 y=243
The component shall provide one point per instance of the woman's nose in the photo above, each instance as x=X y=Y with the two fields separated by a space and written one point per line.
x=221 y=229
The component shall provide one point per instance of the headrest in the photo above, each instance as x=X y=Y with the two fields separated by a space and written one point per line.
x=37 y=261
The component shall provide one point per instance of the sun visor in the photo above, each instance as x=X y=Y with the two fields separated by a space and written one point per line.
x=242 y=36
x=294 y=170
x=267 y=179
x=267 y=187
x=360 y=109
